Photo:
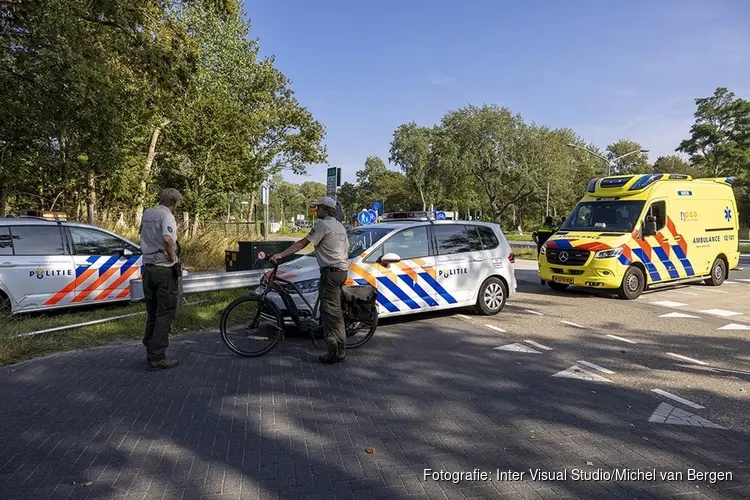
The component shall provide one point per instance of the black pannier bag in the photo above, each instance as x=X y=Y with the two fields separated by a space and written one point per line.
x=358 y=302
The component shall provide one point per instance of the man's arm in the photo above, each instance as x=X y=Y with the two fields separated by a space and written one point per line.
x=296 y=247
x=169 y=247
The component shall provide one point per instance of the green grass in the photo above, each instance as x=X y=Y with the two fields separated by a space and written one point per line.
x=525 y=253
x=744 y=248
x=518 y=237
x=202 y=316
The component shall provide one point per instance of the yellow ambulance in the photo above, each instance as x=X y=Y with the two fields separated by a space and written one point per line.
x=634 y=232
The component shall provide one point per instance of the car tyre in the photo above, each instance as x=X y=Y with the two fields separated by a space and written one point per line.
x=633 y=284
x=560 y=287
x=492 y=297
x=718 y=273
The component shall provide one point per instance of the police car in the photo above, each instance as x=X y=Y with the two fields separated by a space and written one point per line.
x=418 y=264
x=47 y=262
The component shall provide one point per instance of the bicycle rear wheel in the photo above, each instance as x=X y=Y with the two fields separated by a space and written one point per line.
x=359 y=332
x=251 y=327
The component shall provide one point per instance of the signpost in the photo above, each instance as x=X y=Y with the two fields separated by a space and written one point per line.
x=333 y=180
x=264 y=197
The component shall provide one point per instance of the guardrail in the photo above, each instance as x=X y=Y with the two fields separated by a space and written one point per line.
x=206 y=282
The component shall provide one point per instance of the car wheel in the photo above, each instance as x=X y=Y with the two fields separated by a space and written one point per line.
x=558 y=286
x=633 y=284
x=718 y=273
x=492 y=297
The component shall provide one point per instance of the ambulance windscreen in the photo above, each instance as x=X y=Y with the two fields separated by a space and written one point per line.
x=604 y=216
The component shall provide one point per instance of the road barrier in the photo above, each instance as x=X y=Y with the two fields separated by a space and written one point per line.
x=197 y=283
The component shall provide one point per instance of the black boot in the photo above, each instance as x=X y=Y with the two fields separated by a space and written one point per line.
x=331 y=358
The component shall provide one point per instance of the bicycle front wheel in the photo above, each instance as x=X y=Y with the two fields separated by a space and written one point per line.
x=250 y=326
x=359 y=332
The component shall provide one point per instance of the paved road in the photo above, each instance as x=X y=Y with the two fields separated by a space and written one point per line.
x=569 y=383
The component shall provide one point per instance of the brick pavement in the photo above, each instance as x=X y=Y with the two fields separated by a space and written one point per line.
x=426 y=394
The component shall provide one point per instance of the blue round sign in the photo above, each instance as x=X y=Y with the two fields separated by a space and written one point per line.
x=364 y=217
x=378 y=207
x=373 y=216
x=441 y=215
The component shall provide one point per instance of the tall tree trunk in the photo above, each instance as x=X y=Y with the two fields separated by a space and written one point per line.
x=91 y=198
x=147 y=172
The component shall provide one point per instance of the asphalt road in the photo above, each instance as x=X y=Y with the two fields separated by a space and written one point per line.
x=570 y=383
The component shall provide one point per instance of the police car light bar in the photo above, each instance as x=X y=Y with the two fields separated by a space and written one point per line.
x=44 y=214
x=421 y=215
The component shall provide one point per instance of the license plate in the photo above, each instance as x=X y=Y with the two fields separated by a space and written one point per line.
x=562 y=279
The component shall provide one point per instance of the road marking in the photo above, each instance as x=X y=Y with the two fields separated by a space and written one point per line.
x=595 y=367
x=580 y=374
x=743 y=280
x=731 y=282
x=685 y=358
x=462 y=316
x=677 y=398
x=497 y=329
x=738 y=269
x=517 y=348
x=624 y=340
x=720 y=312
x=537 y=344
x=685 y=293
x=678 y=315
x=572 y=324
x=735 y=326
x=533 y=312
x=715 y=291
x=668 y=303
x=668 y=414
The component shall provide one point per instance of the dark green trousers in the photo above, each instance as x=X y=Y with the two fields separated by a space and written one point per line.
x=160 y=292
x=331 y=314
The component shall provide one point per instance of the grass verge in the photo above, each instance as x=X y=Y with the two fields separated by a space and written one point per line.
x=525 y=253
x=13 y=349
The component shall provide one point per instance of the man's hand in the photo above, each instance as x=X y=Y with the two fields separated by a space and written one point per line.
x=276 y=257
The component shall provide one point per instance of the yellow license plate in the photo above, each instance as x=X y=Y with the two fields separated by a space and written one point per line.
x=562 y=279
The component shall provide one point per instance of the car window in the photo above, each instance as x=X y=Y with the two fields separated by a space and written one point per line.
x=489 y=238
x=92 y=242
x=409 y=243
x=37 y=240
x=362 y=238
x=452 y=239
x=475 y=242
x=659 y=210
x=6 y=243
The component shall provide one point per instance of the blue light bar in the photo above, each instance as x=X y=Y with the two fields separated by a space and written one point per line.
x=592 y=185
x=645 y=181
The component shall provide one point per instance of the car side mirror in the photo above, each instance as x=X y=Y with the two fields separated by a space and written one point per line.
x=126 y=252
x=390 y=258
x=649 y=228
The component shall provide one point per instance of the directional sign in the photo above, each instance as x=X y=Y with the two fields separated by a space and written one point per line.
x=378 y=207
x=441 y=215
x=331 y=182
x=364 y=217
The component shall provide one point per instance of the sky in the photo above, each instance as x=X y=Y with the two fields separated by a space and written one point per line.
x=626 y=70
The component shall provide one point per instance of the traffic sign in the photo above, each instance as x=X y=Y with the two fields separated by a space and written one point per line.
x=378 y=207
x=373 y=216
x=364 y=217
x=441 y=215
x=333 y=179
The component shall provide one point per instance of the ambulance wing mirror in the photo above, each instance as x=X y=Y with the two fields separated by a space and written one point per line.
x=649 y=228
x=390 y=258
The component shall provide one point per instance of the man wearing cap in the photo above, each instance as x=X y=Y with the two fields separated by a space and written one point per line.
x=332 y=253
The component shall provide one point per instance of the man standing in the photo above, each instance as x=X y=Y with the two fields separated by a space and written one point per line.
x=332 y=253
x=541 y=235
x=160 y=275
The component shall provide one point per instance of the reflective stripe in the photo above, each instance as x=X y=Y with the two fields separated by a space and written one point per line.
x=439 y=289
x=667 y=263
x=652 y=271
x=393 y=287
x=411 y=283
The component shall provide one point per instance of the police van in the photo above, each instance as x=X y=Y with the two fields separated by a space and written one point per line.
x=634 y=232
x=47 y=262
x=418 y=264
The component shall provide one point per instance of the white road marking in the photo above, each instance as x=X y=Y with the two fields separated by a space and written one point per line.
x=463 y=316
x=685 y=358
x=533 y=312
x=581 y=374
x=727 y=282
x=745 y=280
x=678 y=315
x=537 y=344
x=677 y=398
x=738 y=269
x=497 y=329
x=595 y=367
x=668 y=303
x=517 y=348
x=572 y=324
x=624 y=340
x=685 y=293
x=720 y=312
x=668 y=414
x=714 y=291
x=735 y=326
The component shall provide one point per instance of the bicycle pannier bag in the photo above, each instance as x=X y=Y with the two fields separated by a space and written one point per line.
x=358 y=302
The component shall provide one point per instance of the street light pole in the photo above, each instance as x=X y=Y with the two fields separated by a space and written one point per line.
x=607 y=160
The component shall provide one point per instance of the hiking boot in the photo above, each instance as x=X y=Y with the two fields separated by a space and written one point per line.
x=331 y=358
x=163 y=364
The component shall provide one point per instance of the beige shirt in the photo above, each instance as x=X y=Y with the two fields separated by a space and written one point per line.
x=157 y=222
x=331 y=243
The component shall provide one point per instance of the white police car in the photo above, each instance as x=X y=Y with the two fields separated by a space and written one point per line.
x=418 y=264
x=47 y=262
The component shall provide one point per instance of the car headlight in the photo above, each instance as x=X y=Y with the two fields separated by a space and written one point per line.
x=605 y=254
x=306 y=286
x=543 y=250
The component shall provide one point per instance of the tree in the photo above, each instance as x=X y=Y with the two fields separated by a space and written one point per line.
x=410 y=150
x=720 y=137
x=632 y=164
x=673 y=164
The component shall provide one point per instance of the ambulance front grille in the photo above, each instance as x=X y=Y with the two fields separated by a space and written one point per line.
x=574 y=257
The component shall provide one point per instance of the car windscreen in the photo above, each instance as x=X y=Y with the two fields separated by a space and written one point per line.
x=604 y=216
x=362 y=238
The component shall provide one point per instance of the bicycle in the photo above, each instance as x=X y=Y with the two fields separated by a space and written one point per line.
x=263 y=309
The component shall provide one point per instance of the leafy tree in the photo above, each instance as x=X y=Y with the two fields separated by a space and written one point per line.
x=720 y=137
x=410 y=150
x=673 y=164
x=624 y=161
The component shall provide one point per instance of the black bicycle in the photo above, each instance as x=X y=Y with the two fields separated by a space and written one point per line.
x=252 y=325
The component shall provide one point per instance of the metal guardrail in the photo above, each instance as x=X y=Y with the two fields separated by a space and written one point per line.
x=206 y=282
